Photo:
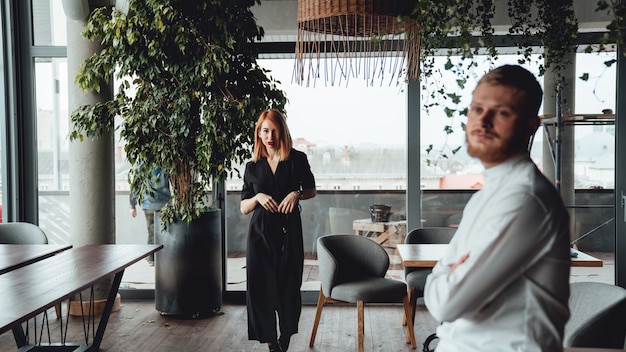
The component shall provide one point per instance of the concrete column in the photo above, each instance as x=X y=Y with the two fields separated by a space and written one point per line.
x=92 y=162
x=567 y=135
x=92 y=178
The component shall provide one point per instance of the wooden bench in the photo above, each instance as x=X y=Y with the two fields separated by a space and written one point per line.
x=387 y=234
x=34 y=288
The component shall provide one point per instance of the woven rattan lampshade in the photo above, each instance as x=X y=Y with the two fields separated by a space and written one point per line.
x=339 y=39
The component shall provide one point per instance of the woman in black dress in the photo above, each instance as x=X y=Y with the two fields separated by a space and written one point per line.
x=275 y=181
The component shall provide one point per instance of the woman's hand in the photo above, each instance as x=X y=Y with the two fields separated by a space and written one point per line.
x=289 y=203
x=267 y=202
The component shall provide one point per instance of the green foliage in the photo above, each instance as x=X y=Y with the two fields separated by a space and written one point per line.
x=553 y=23
x=616 y=29
x=463 y=29
x=189 y=91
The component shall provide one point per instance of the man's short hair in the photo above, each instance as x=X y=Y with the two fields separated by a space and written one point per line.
x=517 y=77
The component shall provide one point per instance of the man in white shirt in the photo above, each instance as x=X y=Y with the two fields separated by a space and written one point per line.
x=503 y=284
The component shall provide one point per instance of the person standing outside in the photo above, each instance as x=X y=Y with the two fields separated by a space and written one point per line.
x=274 y=182
x=503 y=283
x=157 y=196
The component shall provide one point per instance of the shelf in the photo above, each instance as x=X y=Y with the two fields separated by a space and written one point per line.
x=579 y=119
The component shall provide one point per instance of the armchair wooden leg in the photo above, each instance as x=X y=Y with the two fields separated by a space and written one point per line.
x=321 y=299
x=360 y=307
x=412 y=303
x=412 y=299
x=410 y=333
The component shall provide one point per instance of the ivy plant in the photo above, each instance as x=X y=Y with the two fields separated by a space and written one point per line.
x=463 y=29
x=615 y=31
x=189 y=90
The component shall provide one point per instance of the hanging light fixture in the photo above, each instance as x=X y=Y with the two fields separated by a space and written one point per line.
x=339 y=39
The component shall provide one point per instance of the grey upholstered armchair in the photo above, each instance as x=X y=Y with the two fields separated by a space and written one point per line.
x=416 y=277
x=598 y=316
x=352 y=269
x=22 y=233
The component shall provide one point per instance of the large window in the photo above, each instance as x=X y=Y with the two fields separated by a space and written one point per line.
x=49 y=17
x=594 y=142
x=594 y=161
x=52 y=114
x=355 y=137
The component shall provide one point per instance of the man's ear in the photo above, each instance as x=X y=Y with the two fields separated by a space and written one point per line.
x=533 y=125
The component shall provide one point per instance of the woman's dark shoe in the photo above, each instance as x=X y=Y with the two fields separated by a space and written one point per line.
x=284 y=342
x=275 y=347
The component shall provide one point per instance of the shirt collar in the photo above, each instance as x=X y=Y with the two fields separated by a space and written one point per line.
x=503 y=169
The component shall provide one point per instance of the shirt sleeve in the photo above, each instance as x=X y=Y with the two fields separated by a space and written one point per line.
x=132 y=200
x=523 y=231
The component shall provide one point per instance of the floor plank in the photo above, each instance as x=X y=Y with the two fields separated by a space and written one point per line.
x=137 y=326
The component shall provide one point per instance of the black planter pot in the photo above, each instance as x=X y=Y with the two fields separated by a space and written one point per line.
x=189 y=267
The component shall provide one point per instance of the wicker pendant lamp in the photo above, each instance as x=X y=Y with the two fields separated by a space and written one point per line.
x=339 y=39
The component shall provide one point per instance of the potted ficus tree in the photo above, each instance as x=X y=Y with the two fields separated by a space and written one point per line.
x=189 y=90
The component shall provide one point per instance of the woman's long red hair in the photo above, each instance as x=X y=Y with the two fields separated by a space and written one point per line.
x=285 y=143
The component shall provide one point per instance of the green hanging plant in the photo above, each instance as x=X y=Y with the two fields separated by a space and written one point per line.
x=463 y=29
x=616 y=31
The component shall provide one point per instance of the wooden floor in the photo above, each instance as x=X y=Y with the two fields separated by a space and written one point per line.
x=138 y=327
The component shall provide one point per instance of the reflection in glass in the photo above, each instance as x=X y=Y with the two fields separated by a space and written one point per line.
x=53 y=147
x=50 y=28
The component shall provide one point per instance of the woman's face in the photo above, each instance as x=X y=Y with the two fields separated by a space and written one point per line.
x=269 y=134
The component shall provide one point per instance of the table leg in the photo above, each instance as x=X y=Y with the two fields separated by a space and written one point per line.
x=18 y=335
x=106 y=313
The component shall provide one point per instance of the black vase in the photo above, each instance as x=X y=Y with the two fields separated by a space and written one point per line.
x=188 y=269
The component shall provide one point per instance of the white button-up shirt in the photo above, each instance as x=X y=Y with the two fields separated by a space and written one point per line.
x=511 y=293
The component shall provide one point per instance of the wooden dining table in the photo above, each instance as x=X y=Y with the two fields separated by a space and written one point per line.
x=14 y=256
x=589 y=349
x=32 y=289
x=427 y=255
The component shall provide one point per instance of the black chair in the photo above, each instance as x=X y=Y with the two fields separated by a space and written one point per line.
x=24 y=233
x=598 y=316
x=352 y=270
x=416 y=277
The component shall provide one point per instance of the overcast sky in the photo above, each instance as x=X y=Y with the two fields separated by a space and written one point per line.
x=359 y=113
